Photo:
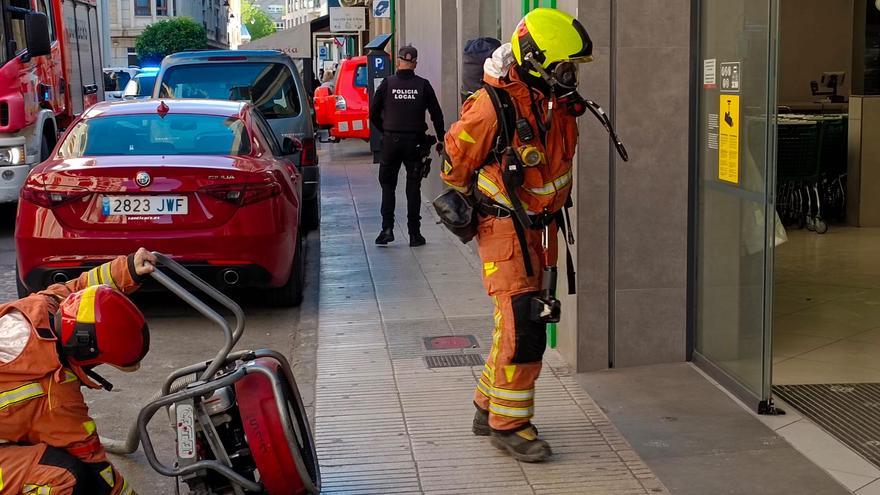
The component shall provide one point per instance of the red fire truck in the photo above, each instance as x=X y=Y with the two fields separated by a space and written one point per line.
x=50 y=71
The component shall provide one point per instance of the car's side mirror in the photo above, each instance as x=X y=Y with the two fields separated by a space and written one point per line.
x=36 y=26
x=290 y=146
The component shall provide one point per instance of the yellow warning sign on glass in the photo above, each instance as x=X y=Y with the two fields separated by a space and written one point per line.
x=728 y=139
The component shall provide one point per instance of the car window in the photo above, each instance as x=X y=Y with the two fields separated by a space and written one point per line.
x=270 y=87
x=123 y=77
x=140 y=85
x=151 y=134
x=111 y=82
x=360 y=76
x=116 y=80
x=16 y=19
x=267 y=132
x=45 y=7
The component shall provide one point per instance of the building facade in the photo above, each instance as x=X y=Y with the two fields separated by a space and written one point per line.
x=303 y=11
x=233 y=26
x=688 y=251
x=275 y=9
x=129 y=18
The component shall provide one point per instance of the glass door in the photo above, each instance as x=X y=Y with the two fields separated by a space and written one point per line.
x=735 y=217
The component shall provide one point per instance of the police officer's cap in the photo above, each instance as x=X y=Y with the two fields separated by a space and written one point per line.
x=408 y=53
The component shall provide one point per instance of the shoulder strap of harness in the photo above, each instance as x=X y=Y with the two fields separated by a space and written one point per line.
x=511 y=166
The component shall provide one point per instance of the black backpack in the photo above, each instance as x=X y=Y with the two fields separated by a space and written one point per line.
x=476 y=51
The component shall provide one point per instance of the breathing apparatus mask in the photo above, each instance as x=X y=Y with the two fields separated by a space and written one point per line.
x=560 y=80
x=561 y=77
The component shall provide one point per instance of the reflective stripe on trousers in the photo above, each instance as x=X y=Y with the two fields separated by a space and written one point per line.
x=20 y=394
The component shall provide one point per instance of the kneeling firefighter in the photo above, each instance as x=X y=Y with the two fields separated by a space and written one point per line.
x=49 y=344
x=508 y=161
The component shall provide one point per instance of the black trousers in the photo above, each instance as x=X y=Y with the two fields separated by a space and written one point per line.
x=400 y=149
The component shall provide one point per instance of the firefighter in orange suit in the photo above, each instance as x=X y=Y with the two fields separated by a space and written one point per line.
x=538 y=72
x=49 y=343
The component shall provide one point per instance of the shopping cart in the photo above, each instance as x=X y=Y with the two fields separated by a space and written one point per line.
x=798 y=173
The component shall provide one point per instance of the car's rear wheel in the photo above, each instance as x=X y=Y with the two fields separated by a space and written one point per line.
x=311 y=218
x=290 y=294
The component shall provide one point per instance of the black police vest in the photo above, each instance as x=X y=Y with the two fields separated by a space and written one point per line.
x=405 y=104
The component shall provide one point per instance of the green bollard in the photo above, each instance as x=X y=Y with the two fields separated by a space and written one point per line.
x=551 y=335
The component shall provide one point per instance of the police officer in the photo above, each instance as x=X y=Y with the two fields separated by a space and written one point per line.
x=398 y=111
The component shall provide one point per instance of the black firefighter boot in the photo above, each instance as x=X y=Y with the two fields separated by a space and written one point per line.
x=481 y=422
x=386 y=236
x=481 y=426
x=523 y=445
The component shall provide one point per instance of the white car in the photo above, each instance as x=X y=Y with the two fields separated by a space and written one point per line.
x=115 y=80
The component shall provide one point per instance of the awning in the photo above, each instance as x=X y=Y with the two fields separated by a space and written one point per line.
x=296 y=42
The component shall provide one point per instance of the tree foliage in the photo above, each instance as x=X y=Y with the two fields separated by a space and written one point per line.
x=257 y=22
x=170 y=36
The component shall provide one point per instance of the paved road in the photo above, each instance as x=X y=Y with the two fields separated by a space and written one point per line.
x=179 y=337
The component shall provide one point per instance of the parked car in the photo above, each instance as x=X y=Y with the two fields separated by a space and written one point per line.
x=140 y=87
x=115 y=81
x=342 y=109
x=271 y=82
x=203 y=181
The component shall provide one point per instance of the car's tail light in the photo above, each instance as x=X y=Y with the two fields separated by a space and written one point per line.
x=340 y=103
x=244 y=194
x=52 y=196
x=308 y=155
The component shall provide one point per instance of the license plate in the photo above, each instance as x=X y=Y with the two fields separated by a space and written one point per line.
x=144 y=205
x=186 y=431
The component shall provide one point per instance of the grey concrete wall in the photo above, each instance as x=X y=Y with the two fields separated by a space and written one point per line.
x=432 y=27
x=592 y=198
x=650 y=200
x=511 y=13
x=632 y=217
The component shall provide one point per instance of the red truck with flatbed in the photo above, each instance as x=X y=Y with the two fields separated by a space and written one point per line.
x=50 y=71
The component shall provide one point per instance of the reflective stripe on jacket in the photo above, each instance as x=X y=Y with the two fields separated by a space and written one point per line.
x=470 y=141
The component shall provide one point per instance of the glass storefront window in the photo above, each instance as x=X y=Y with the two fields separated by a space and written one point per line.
x=736 y=152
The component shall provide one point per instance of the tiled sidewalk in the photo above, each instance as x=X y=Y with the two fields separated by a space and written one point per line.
x=385 y=422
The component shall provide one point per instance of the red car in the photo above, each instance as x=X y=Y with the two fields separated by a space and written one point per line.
x=204 y=181
x=345 y=111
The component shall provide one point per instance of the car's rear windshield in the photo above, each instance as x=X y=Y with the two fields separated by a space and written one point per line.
x=268 y=86
x=150 y=134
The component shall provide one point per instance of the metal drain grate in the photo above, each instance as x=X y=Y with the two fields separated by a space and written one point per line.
x=454 y=360
x=849 y=411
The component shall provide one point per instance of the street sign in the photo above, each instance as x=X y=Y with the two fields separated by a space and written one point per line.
x=323 y=53
x=348 y=19
x=379 y=62
x=382 y=9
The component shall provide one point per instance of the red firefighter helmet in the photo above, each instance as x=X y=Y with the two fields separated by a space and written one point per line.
x=99 y=325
